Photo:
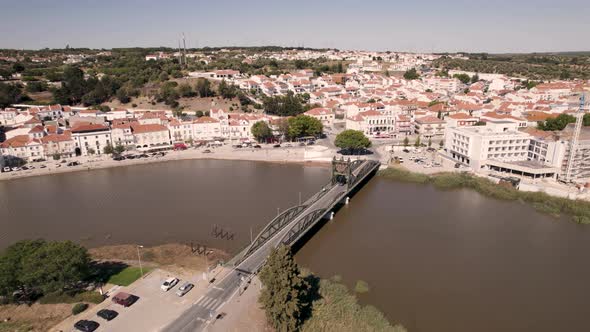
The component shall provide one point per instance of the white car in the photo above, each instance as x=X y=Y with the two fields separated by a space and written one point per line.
x=169 y=283
x=7 y=169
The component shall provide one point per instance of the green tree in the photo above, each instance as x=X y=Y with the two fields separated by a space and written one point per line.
x=411 y=74
x=464 y=78
x=119 y=149
x=429 y=142
x=10 y=94
x=36 y=86
x=417 y=142
x=284 y=291
x=108 y=149
x=303 y=125
x=406 y=141
x=475 y=78
x=288 y=105
x=352 y=139
x=557 y=123
x=203 y=88
x=186 y=91
x=91 y=151
x=199 y=114
x=227 y=91
x=261 y=131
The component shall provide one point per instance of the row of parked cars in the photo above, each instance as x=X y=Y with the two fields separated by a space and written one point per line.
x=126 y=300
x=138 y=156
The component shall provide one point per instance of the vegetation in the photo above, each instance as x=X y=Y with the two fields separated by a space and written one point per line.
x=11 y=94
x=72 y=296
x=295 y=300
x=536 y=66
x=36 y=266
x=352 y=139
x=578 y=209
x=127 y=276
x=79 y=308
x=303 y=125
x=284 y=292
x=361 y=287
x=287 y=105
x=261 y=131
x=464 y=78
x=560 y=122
x=411 y=74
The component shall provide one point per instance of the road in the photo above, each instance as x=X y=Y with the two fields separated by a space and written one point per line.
x=208 y=306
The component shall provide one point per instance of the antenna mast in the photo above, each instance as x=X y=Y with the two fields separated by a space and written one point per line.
x=575 y=137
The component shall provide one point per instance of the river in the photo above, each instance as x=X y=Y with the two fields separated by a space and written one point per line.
x=434 y=261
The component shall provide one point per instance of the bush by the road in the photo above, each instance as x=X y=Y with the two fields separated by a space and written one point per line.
x=78 y=308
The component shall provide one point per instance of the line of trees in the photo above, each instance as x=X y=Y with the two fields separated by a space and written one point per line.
x=560 y=122
x=291 y=128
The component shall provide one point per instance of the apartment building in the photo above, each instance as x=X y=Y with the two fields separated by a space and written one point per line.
x=91 y=138
x=429 y=127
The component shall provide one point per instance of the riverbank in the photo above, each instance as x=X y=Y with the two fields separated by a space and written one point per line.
x=578 y=209
x=309 y=156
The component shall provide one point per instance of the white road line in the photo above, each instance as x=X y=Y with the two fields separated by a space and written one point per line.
x=205 y=302
x=218 y=288
x=212 y=304
x=200 y=298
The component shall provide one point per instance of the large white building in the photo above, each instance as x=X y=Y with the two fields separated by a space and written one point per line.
x=91 y=137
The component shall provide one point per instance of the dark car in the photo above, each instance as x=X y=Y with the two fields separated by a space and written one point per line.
x=24 y=168
x=143 y=156
x=257 y=146
x=355 y=152
x=107 y=314
x=130 y=156
x=276 y=146
x=406 y=150
x=118 y=158
x=73 y=163
x=86 y=325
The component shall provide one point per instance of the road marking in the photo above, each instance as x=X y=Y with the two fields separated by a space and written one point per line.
x=200 y=298
x=218 y=288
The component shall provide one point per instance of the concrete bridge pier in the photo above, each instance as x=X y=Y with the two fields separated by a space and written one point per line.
x=329 y=215
x=346 y=200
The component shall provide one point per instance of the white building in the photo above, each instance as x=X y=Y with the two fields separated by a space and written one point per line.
x=91 y=136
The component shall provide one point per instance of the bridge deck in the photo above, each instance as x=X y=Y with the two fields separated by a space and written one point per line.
x=295 y=222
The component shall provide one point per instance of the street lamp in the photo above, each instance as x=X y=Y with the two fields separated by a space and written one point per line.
x=139 y=259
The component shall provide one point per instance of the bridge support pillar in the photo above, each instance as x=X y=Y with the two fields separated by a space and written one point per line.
x=331 y=215
x=347 y=200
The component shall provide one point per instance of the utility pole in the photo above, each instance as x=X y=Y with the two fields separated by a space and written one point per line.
x=139 y=259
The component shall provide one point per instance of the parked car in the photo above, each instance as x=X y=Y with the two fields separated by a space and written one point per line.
x=43 y=166
x=406 y=150
x=276 y=146
x=180 y=146
x=130 y=156
x=257 y=146
x=125 y=299
x=73 y=163
x=169 y=283
x=143 y=155
x=25 y=168
x=6 y=169
x=118 y=158
x=207 y=151
x=86 y=325
x=14 y=169
x=185 y=288
x=107 y=314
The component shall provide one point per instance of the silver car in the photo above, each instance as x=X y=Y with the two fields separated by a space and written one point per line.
x=185 y=288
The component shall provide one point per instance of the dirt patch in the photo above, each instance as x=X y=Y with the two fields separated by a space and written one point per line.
x=38 y=317
x=189 y=104
x=171 y=257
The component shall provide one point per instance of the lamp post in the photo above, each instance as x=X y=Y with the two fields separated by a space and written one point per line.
x=139 y=259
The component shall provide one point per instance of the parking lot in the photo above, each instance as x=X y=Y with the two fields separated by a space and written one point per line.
x=153 y=311
x=423 y=160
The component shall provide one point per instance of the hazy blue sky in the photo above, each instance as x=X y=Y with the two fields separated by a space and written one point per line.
x=431 y=25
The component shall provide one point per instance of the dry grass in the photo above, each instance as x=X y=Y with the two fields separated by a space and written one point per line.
x=170 y=257
x=38 y=317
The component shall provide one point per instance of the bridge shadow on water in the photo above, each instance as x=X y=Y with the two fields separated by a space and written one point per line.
x=295 y=247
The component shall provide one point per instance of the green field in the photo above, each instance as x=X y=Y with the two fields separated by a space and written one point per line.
x=127 y=276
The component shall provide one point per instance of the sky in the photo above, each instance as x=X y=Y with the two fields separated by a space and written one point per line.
x=494 y=26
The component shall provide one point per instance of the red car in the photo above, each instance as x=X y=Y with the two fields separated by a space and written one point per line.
x=180 y=146
x=125 y=299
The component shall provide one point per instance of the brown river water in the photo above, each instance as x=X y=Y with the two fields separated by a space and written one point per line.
x=434 y=261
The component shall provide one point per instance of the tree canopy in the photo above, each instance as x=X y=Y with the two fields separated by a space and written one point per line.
x=303 y=125
x=352 y=139
x=464 y=78
x=411 y=74
x=287 y=105
x=284 y=291
x=559 y=122
x=37 y=265
x=261 y=131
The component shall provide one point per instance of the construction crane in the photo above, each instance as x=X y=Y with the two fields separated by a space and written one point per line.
x=575 y=137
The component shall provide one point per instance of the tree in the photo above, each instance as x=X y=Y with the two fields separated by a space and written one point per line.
x=9 y=94
x=352 y=139
x=37 y=86
x=441 y=143
x=44 y=266
x=417 y=142
x=284 y=291
x=557 y=123
x=119 y=149
x=261 y=131
x=303 y=125
x=288 y=105
x=475 y=78
x=185 y=90
x=108 y=149
x=123 y=96
x=411 y=74
x=91 y=151
x=203 y=88
x=464 y=78
x=406 y=141
x=429 y=142
x=199 y=114
x=227 y=91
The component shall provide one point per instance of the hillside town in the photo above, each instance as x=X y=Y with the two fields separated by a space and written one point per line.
x=482 y=122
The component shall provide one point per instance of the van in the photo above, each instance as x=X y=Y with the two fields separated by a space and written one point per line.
x=125 y=299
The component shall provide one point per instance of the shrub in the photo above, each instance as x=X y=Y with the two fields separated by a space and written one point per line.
x=361 y=287
x=78 y=308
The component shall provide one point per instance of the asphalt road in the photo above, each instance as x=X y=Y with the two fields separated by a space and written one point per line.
x=209 y=305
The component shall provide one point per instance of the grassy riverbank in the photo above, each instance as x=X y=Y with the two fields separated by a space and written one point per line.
x=578 y=209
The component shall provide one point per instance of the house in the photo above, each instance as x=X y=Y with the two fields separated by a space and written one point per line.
x=429 y=127
x=149 y=137
x=22 y=147
x=460 y=120
x=326 y=116
x=59 y=144
x=91 y=139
